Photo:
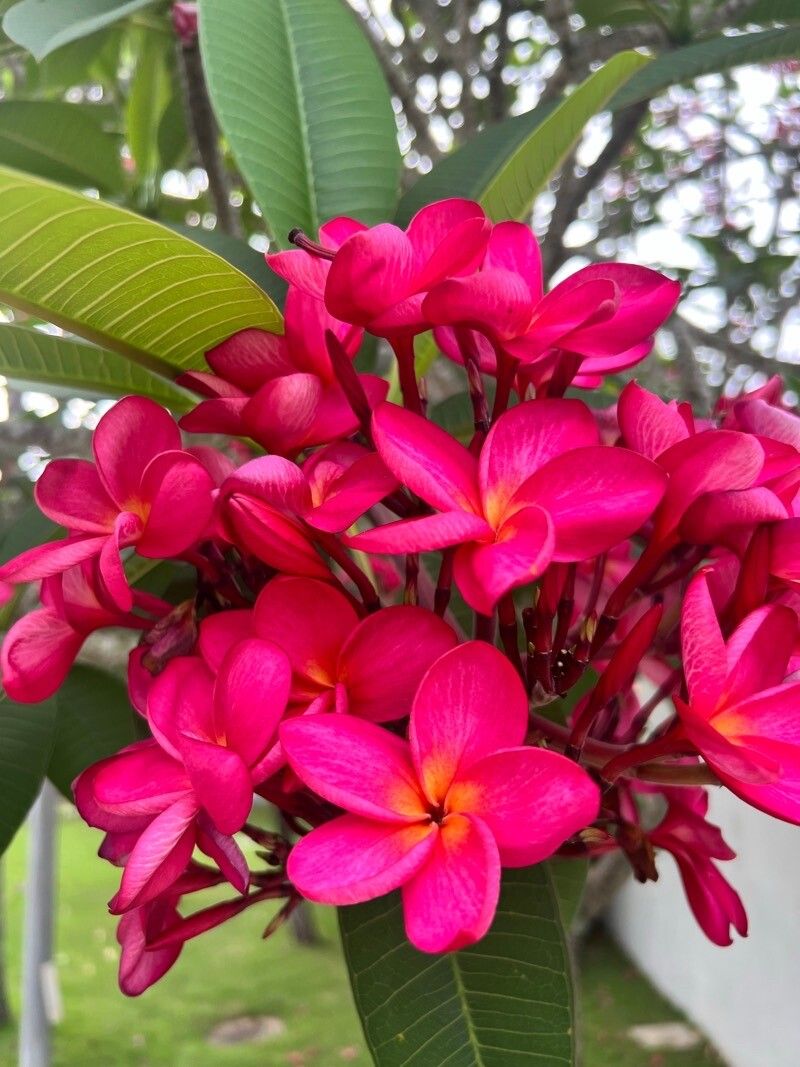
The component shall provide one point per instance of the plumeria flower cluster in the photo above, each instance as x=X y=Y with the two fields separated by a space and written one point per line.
x=436 y=655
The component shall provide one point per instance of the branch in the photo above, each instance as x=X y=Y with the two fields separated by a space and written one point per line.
x=206 y=136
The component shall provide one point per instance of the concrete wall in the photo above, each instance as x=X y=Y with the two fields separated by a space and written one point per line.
x=746 y=997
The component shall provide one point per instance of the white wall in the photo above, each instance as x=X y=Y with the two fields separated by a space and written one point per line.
x=745 y=997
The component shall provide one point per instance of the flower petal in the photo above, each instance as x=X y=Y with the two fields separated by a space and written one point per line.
x=423 y=535
x=159 y=857
x=354 y=764
x=648 y=424
x=523 y=549
x=426 y=459
x=525 y=439
x=350 y=859
x=179 y=490
x=127 y=438
x=37 y=654
x=70 y=493
x=250 y=697
x=531 y=799
x=703 y=647
x=450 y=903
x=219 y=633
x=758 y=652
x=385 y=657
x=221 y=783
x=595 y=497
x=469 y=704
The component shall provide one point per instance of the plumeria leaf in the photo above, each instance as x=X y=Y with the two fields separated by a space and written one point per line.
x=119 y=280
x=761 y=11
x=41 y=26
x=311 y=140
x=94 y=720
x=569 y=882
x=241 y=255
x=597 y=13
x=507 y=165
x=26 y=739
x=29 y=355
x=31 y=528
x=708 y=57
x=148 y=100
x=507 y=999
x=59 y=141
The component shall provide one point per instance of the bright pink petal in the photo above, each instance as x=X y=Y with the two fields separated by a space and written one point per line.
x=525 y=439
x=217 y=416
x=758 y=417
x=273 y=537
x=52 y=558
x=221 y=783
x=531 y=799
x=450 y=728
x=273 y=480
x=718 y=518
x=703 y=647
x=70 y=493
x=251 y=357
x=282 y=412
x=224 y=851
x=384 y=659
x=373 y=270
x=523 y=549
x=127 y=438
x=451 y=901
x=758 y=652
x=426 y=459
x=714 y=902
x=140 y=967
x=785 y=550
x=423 y=535
x=179 y=489
x=159 y=858
x=180 y=704
x=448 y=237
x=250 y=697
x=595 y=497
x=139 y=781
x=350 y=859
x=342 y=493
x=36 y=656
x=288 y=613
x=495 y=300
x=648 y=424
x=513 y=247
x=354 y=764
x=219 y=633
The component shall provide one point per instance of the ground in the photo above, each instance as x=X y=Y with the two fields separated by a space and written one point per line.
x=231 y=973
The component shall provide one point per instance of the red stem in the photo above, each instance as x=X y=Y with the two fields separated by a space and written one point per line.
x=403 y=345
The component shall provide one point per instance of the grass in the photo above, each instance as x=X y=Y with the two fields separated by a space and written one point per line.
x=230 y=972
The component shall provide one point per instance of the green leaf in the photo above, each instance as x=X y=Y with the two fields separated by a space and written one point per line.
x=597 y=13
x=708 y=57
x=29 y=355
x=119 y=280
x=94 y=720
x=26 y=740
x=507 y=1000
x=148 y=100
x=569 y=882
x=41 y=26
x=512 y=190
x=59 y=141
x=301 y=98
x=172 y=136
x=241 y=255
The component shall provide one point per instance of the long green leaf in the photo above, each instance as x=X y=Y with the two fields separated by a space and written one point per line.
x=507 y=1000
x=301 y=98
x=41 y=26
x=241 y=255
x=28 y=355
x=613 y=12
x=119 y=280
x=94 y=720
x=148 y=100
x=59 y=141
x=708 y=57
x=511 y=192
x=26 y=740
x=762 y=11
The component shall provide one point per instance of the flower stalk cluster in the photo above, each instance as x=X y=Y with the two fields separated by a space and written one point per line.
x=629 y=576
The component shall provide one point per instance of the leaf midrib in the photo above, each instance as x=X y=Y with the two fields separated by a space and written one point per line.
x=308 y=163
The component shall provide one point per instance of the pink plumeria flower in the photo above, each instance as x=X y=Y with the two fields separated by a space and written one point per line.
x=378 y=276
x=439 y=814
x=143 y=490
x=369 y=667
x=40 y=648
x=542 y=490
x=280 y=390
x=741 y=714
x=273 y=507
x=607 y=312
x=714 y=493
x=193 y=785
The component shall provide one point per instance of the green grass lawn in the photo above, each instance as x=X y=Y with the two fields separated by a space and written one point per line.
x=230 y=972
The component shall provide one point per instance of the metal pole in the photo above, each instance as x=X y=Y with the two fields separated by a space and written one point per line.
x=37 y=946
